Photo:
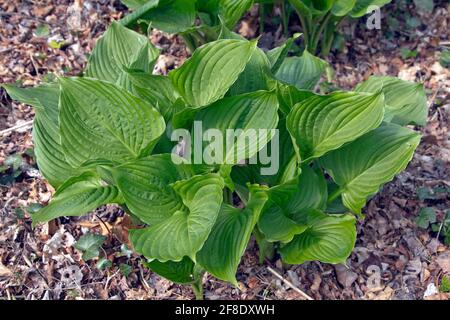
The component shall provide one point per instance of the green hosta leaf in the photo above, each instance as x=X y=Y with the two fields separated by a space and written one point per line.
x=288 y=96
x=146 y=187
x=158 y=90
x=77 y=199
x=342 y=7
x=329 y=239
x=406 y=101
x=134 y=4
x=102 y=121
x=117 y=49
x=277 y=55
x=170 y=16
x=233 y=10
x=179 y=272
x=230 y=11
x=139 y=7
x=46 y=136
x=89 y=244
x=248 y=112
x=254 y=76
x=185 y=232
x=212 y=69
x=307 y=7
x=229 y=237
x=286 y=200
x=287 y=164
x=361 y=167
x=302 y=8
x=361 y=7
x=303 y=72
x=324 y=123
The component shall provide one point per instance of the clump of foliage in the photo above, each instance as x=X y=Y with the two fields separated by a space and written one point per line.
x=197 y=22
x=103 y=138
x=321 y=19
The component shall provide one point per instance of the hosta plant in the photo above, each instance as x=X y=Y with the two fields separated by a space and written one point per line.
x=296 y=172
x=321 y=19
x=196 y=21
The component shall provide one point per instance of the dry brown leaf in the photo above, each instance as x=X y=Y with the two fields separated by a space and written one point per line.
x=4 y=271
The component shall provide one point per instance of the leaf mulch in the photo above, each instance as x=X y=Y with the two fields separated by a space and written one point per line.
x=393 y=259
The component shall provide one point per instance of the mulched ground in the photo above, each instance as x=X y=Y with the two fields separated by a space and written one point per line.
x=393 y=258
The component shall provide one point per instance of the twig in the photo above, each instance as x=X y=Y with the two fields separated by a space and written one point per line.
x=290 y=284
x=433 y=97
x=34 y=64
x=143 y=281
x=104 y=224
x=19 y=126
x=109 y=279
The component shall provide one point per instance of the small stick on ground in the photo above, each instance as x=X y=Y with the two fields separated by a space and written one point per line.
x=19 y=126
x=276 y=274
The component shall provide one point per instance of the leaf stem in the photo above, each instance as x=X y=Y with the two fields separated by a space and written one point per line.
x=284 y=18
x=305 y=28
x=336 y=193
x=189 y=41
x=197 y=287
x=266 y=249
x=316 y=36
x=228 y=196
x=262 y=18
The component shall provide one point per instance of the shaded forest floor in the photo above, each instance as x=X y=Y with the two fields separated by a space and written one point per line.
x=394 y=258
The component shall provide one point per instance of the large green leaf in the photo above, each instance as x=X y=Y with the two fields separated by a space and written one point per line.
x=248 y=112
x=230 y=11
x=303 y=72
x=233 y=10
x=342 y=7
x=212 y=69
x=185 y=232
x=301 y=8
x=117 y=49
x=329 y=239
x=308 y=7
x=158 y=90
x=286 y=200
x=281 y=150
x=146 y=187
x=99 y=120
x=406 y=102
x=289 y=95
x=361 y=167
x=254 y=76
x=170 y=16
x=277 y=55
x=134 y=4
x=77 y=199
x=46 y=136
x=139 y=8
x=229 y=237
x=179 y=272
x=324 y=123
x=361 y=7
